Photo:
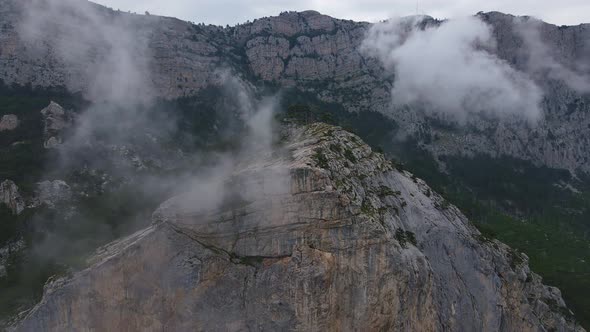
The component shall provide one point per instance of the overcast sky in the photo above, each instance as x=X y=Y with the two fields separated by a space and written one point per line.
x=223 y=12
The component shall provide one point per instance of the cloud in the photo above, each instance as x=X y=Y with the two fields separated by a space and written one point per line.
x=124 y=127
x=257 y=115
x=542 y=62
x=238 y=177
x=451 y=69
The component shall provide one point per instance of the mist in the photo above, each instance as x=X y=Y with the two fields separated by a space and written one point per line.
x=124 y=141
x=450 y=68
x=107 y=49
x=542 y=62
x=237 y=176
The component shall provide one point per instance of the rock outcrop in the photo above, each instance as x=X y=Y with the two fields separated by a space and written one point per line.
x=55 y=120
x=8 y=122
x=51 y=193
x=8 y=250
x=10 y=196
x=325 y=235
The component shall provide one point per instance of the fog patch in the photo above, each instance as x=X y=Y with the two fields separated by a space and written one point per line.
x=450 y=69
x=105 y=47
x=109 y=140
x=242 y=176
x=543 y=63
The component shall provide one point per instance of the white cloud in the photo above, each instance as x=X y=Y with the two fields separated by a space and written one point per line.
x=451 y=69
x=116 y=71
x=223 y=12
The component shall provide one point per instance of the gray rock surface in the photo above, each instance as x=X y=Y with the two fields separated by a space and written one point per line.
x=320 y=55
x=55 y=121
x=8 y=122
x=51 y=193
x=10 y=196
x=325 y=236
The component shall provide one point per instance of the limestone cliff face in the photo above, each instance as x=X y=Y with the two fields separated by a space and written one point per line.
x=10 y=196
x=314 y=53
x=325 y=235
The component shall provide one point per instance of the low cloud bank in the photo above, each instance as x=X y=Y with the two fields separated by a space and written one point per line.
x=542 y=62
x=450 y=68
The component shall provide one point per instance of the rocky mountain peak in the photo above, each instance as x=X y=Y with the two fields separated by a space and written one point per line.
x=325 y=234
x=370 y=245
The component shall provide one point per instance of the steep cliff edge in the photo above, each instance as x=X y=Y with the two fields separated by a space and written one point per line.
x=324 y=234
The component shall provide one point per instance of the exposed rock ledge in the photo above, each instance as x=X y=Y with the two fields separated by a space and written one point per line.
x=346 y=242
x=10 y=196
x=8 y=122
x=56 y=120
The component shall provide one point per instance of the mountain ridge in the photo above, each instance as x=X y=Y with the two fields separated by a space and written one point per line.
x=320 y=55
x=109 y=65
x=343 y=246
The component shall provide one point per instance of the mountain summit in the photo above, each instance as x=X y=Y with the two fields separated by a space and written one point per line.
x=346 y=242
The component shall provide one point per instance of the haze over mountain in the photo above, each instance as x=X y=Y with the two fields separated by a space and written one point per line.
x=501 y=65
x=262 y=217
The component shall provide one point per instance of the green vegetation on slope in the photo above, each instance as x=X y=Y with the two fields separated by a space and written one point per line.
x=21 y=151
x=521 y=205
x=556 y=251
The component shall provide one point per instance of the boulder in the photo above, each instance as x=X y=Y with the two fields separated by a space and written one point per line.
x=8 y=122
x=9 y=195
x=55 y=121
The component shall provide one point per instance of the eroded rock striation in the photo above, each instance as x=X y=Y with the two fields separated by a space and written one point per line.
x=323 y=235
